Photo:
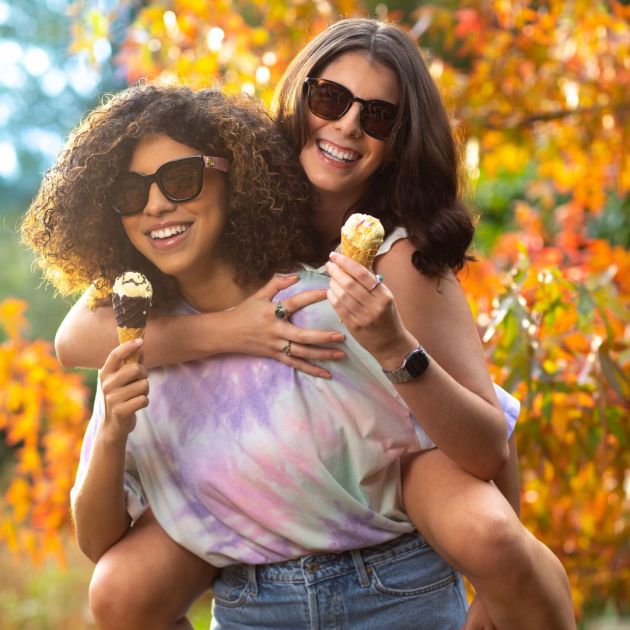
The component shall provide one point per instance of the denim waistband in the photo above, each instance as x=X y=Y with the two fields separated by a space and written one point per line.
x=321 y=566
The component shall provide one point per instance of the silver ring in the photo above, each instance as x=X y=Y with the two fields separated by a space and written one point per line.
x=281 y=311
x=377 y=280
x=286 y=349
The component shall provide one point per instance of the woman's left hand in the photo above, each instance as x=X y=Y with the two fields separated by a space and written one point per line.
x=367 y=307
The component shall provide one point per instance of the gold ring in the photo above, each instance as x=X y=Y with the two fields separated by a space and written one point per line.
x=286 y=349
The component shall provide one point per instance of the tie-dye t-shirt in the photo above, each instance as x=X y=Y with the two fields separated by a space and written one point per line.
x=244 y=459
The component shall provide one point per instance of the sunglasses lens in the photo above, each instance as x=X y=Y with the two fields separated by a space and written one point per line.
x=378 y=119
x=130 y=193
x=182 y=180
x=327 y=100
x=331 y=101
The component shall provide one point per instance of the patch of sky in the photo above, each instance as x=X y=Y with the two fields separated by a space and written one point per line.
x=47 y=143
x=4 y=11
x=10 y=51
x=7 y=107
x=12 y=54
x=102 y=49
x=57 y=5
x=54 y=82
x=9 y=165
x=83 y=79
x=13 y=77
x=21 y=22
x=36 y=61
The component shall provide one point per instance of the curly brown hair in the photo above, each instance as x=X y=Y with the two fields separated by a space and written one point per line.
x=79 y=240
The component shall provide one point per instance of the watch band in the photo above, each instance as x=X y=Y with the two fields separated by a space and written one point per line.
x=415 y=364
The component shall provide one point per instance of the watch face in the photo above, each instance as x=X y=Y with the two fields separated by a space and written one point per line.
x=417 y=362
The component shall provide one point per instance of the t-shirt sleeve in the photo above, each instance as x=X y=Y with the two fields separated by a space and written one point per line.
x=136 y=500
x=397 y=234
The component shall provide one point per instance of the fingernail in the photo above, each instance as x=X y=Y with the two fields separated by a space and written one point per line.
x=325 y=375
x=338 y=337
x=339 y=355
x=333 y=255
x=138 y=341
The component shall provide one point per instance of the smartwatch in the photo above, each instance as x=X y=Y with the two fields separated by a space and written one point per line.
x=415 y=364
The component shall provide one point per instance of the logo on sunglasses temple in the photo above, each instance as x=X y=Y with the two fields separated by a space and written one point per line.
x=178 y=180
x=331 y=101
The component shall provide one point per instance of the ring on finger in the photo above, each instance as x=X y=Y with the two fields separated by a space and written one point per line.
x=281 y=311
x=378 y=278
x=286 y=349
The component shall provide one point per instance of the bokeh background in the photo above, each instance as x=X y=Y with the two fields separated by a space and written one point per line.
x=539 y=94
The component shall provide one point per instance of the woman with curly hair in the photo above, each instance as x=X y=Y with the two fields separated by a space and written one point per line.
x=238 y=461
x=359 y=107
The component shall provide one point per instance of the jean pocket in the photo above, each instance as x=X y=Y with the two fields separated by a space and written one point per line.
x=230 y=590
x=411 y=575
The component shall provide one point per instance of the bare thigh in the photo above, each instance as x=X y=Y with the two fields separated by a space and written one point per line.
x=461 y=516
x=148 y=571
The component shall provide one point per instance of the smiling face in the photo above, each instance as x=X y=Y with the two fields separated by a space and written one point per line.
x=339 y=158
x=180 y=238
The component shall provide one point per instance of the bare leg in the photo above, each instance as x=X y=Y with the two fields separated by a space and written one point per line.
x=146 y=580
x=472 y=526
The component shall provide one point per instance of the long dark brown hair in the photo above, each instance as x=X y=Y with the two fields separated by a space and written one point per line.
x=418 y=186
x=77 y=237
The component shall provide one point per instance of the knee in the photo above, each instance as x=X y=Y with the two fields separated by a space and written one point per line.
x=502 y=544
x=114 y=596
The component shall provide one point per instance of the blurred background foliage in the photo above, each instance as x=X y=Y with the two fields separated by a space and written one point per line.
x=538 y=94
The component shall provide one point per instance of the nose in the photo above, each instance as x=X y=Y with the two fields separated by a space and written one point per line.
x=157 y=203
x=350 y=123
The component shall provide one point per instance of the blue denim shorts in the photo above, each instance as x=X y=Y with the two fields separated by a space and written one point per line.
x=399 y=585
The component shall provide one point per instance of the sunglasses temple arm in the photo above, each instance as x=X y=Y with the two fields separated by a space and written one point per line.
x=218 y=163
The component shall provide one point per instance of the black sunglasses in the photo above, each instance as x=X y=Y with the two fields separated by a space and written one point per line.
x=329 y=100
x=179 y=180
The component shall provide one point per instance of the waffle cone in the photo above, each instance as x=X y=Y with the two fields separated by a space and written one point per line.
x=364 y=256
x=129 y=334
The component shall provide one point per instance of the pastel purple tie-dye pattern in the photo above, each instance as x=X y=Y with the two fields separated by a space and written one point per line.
x=243 y=459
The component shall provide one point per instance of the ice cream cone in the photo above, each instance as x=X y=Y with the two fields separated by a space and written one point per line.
x=131 y=298
x=362 y=255
x=361 y=236
x=129 y=334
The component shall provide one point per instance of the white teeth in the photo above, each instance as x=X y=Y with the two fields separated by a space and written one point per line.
x=333 y=152
x=168 y=232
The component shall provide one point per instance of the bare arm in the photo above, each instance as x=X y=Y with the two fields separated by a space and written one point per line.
x=454 y=400
x=86 y=337
x=99 y=508
x=508 y=481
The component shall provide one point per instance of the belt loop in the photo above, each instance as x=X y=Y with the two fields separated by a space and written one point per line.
x=251 y=577
x=364 y=580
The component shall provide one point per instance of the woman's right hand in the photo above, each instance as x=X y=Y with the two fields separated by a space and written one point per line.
x=125 y=390
x=261 y=333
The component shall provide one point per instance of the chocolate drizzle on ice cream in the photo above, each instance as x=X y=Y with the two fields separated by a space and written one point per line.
x=131 y=298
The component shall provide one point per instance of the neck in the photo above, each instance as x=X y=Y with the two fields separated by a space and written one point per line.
x=331 y=212
x=212 y=290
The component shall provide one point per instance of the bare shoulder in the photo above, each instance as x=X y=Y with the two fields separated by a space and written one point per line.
x=409 y=285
